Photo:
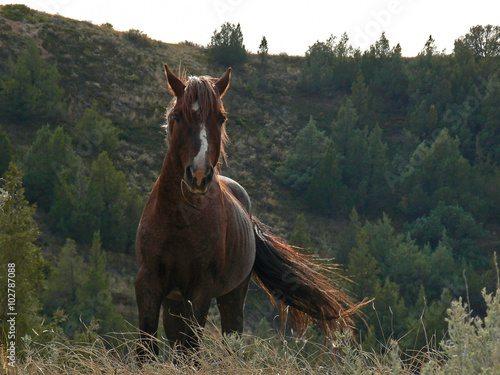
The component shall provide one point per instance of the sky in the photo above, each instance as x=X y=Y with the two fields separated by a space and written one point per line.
x=289 y=26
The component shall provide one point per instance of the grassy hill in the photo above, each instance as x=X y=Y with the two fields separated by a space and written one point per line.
x=123 y=73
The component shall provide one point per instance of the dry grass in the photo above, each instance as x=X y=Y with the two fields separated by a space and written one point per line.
x=114 y=354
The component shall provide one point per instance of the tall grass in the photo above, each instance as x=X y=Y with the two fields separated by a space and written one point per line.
x=473 y=347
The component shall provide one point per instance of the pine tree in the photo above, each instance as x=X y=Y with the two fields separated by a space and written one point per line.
x=362 y=101
x=64 y=280
x=408 y=266
x=301 y=236
x=226 y=46
x=263 y=51
x=49 y=161
x=95 y=133
x=362 y=268
x=94 y=298
x=31 y=93
x=106 y=203
x=5 y=151
x=424 y=120
x=303 y=160
x=437 y=173
x=488 y=138
x=20 y=258
x=327 y=193
x=68 y=215
x=344 y=126
x=378 y=196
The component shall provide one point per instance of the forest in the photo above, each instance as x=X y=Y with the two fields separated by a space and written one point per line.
x=388 y=165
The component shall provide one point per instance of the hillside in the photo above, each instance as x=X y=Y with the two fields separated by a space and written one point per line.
x=123 y=73
x=389 y=165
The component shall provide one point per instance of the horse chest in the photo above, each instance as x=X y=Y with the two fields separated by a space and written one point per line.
x=194 y=244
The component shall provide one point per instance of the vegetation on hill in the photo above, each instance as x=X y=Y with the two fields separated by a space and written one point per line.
x=390 y=165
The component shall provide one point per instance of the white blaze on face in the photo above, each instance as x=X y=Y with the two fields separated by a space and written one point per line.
x=199 y=160
x=195 y=106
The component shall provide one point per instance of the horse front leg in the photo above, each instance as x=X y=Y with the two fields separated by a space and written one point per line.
x=197 y=305
x=149 y=292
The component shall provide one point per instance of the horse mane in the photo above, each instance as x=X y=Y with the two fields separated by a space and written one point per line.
x=202 y=90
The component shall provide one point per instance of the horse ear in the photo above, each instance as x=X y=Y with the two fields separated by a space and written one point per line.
x=223 y=83
x=175 y=84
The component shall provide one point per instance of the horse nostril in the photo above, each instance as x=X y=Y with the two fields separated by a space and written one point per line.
x=189 y=173
x=210 y=175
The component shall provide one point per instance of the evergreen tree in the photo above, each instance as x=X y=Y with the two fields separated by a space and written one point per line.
x=363 y=159
x=21 y=259
x=329 y=65
x=388 y=76
x=303 y=160
x=263 y=51
x=68 y=212
x=31 y=93
x=226 y=46
x=352 y=148
x=362 y=102
x=429 y=86
x=444 y=272
x=106 y=203
x=408 y=267
x=326 y=192
x=301 y=236
x=49 y=161
x=5 y=151
x=430 y=48
x=424 y=120
x=363 y=269
x=94 y=133
x=455 y=225
x=382 y=238
x=94 y=298
x=439 y=173
x=344 y=126
x=378 y=195
x=64 y=280
x=488 y=136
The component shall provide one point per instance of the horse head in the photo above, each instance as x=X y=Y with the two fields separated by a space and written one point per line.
x=196 y=127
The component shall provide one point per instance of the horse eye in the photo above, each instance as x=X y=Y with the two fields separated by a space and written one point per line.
x=177 y=118
x=222 y=119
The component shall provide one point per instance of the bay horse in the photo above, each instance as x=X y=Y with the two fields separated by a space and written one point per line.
x=198 y=239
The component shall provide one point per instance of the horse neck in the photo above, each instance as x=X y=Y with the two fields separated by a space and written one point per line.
x=169 y=183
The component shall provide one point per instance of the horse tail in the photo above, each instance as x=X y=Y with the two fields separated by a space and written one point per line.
x=305 y=293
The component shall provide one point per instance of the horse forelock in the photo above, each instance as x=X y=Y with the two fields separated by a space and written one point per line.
x=200 y=103
x=200 y=99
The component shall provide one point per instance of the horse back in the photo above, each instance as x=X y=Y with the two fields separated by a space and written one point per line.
x=238 y=192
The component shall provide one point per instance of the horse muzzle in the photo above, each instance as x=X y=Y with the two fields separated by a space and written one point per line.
x=199 y=180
